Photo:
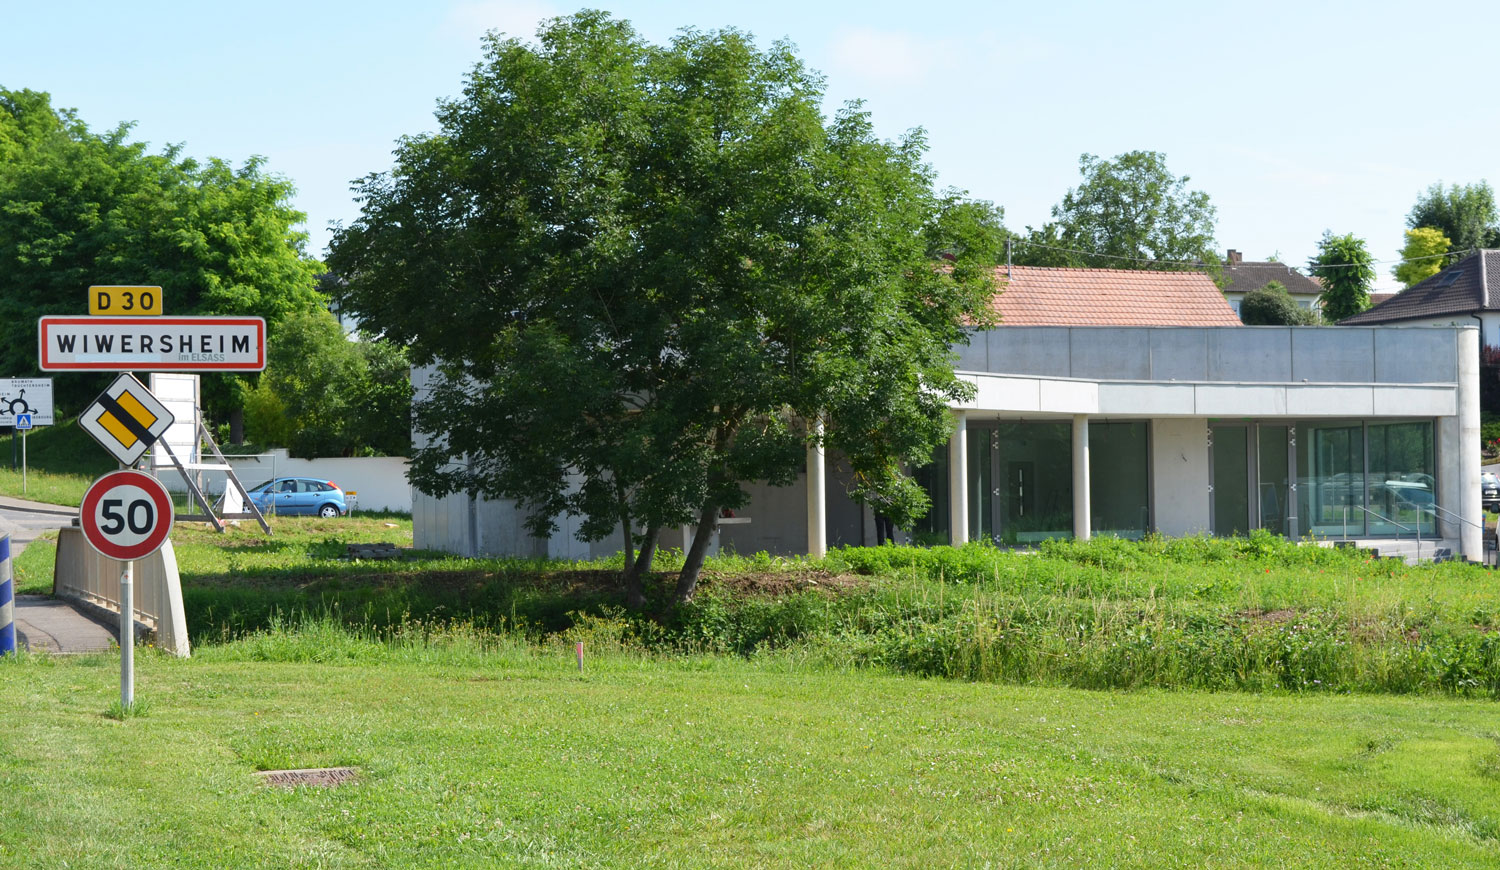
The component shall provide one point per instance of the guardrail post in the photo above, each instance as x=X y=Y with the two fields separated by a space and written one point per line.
x=7 y=601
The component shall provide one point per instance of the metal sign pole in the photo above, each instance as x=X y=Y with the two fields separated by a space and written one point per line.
x=127 y=636
x=23 y=461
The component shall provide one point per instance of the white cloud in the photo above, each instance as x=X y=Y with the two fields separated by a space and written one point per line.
x=473 y=18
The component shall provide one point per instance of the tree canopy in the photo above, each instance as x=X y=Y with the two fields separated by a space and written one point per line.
x=1346 y=269
x=1272 y=305
x=326 y=395
x=79 y=208
x=1127 y=213
x=1422 y=255
x=1466 y=214
x=646 y=275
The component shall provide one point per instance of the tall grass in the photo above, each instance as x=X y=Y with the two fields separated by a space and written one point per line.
x=1249 y=614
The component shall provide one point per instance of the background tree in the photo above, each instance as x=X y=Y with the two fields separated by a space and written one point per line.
x=326 y=395
x=1126 y=212
x=1421 y=255
x=1466 y=214
x=1272 y=305
x=1346 y=269
x=82 y=208
x=672 y=266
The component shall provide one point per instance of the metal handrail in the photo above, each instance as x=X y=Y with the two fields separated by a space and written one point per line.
x=1433 y=509
x=1416 y=532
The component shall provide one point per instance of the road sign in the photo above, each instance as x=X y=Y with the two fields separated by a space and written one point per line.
x=126 y=515
x=152 y=344
x=26 y=396
x=126 y=419
x=125 y=301
x=23 y=421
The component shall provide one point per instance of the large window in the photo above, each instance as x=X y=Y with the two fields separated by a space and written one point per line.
x=1119 y=479
x=1034 y=468
x=1401 y=483
x=1377 y=479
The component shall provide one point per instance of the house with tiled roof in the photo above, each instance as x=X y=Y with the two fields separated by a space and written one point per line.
x=1124 y=403
x=1045 y=296
x=1465 y=293
x=1248 y=277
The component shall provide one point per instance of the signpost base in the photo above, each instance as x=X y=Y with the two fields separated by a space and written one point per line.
x=127 y=636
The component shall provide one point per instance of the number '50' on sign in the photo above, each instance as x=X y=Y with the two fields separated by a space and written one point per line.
x=126 y=515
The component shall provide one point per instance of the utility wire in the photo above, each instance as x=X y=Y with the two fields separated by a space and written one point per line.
x=1199 y=264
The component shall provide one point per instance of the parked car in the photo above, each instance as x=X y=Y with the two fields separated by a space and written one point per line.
x=1489 y=485
x=305 y=496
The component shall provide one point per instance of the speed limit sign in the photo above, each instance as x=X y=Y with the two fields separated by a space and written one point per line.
x=126 y=515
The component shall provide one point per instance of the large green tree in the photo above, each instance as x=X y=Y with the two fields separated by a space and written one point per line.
x=79 y=207
x=1127 y=213
x=649 y=274
x=1465 y=213
x=1346 y=269
x=1272 y=305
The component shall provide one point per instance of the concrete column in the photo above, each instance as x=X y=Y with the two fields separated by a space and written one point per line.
x=817 y=495
x=1471 y=538
x=958 y=480
x=1081 y=524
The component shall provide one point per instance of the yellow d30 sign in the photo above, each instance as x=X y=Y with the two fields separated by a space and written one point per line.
x=125 y=301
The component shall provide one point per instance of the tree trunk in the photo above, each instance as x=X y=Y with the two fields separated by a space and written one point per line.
x=635 y=579
x=237 y=426
x=625 y=528
x=687 y=580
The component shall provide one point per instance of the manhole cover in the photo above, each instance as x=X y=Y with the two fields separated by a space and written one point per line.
x=321 y=776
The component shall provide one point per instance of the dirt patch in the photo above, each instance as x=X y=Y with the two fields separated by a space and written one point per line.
x=1269 y=617
x=322 y=777
x=776 y=583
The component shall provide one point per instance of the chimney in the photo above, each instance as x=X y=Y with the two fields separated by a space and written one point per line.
x=1235 y=257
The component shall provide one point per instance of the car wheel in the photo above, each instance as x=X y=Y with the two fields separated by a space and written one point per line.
x=328 y=510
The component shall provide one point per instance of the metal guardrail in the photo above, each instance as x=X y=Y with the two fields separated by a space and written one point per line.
x=1416 y=532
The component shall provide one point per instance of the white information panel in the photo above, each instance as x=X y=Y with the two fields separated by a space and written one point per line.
x=26 y=396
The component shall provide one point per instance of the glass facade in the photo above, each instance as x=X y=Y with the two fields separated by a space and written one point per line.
x=1120 y=478
x=1320 y=478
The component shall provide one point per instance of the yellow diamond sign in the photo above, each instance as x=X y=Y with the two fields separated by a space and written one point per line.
x=126 y=419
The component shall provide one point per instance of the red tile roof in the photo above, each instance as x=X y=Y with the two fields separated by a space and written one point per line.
x=1037 y=296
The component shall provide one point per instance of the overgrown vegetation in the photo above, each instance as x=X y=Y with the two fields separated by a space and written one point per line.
x=1251 y=614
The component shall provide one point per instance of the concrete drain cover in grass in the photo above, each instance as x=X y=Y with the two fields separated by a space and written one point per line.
x=320 y=776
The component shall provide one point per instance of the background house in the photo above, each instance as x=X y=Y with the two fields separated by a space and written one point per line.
x=1246 y=277
x=1465 y=293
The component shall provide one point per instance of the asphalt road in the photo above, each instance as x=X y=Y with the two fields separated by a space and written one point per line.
x=42 y=623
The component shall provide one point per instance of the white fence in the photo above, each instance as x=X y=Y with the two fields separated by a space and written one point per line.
x=380 y=481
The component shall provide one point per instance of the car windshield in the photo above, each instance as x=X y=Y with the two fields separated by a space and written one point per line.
x=260 y=487
x=1489 y=479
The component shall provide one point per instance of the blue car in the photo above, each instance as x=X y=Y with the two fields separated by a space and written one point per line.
x=305 y=496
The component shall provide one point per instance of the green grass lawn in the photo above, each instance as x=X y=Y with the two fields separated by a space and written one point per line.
x=510 y=757
x=786 y=718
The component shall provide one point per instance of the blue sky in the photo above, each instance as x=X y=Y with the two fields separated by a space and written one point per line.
x=1293 y=117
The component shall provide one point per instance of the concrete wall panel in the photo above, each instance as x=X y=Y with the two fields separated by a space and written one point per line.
x=1310 y=401
x=1255 y=354
x=1179 y=354
x=1415 y=401
x=1333 y=355
x=1032 y=350
x=1111 y=354
x=1179 y=472
x=1233 y=400
x=1419 y=355
x=1153 y=400
x=1069 y=397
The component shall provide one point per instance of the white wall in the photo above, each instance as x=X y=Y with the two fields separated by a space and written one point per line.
x=1179 y=470
x=379 y=480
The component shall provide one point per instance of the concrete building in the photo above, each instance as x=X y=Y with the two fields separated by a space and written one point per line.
x=1189 y=428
